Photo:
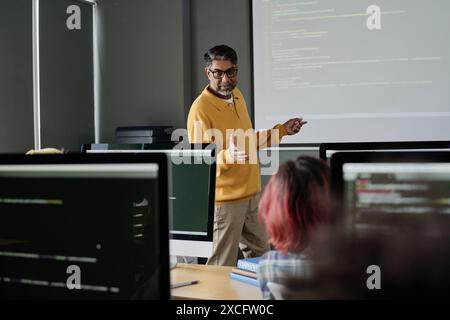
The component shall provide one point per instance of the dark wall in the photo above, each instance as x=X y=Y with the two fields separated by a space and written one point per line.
x=66 y=77
x=151 y=55
x=66 y=68
x=141 y=64
x=221 y=22
x=150 y=66
x=16 y=76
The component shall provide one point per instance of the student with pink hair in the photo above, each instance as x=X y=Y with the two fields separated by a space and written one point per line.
x=294 y=208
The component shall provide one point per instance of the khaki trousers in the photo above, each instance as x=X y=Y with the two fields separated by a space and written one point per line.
x=236 y=226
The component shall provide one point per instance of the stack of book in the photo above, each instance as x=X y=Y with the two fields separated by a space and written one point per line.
x=246 y=270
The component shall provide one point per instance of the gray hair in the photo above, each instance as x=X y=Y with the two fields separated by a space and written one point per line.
x=220 y=52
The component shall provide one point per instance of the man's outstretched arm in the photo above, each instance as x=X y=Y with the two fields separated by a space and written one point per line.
x=270 y=137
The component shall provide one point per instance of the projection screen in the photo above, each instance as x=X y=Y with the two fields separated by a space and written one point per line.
x=356 y=70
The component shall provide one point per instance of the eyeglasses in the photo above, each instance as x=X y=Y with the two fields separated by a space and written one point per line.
x=218 y=74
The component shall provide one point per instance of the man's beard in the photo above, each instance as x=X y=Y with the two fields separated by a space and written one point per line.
x=226 y=90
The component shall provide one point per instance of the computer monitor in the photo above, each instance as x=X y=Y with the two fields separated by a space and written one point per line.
x=388 y=191
x=192 y=193
x=326 y=150
x=84 y=227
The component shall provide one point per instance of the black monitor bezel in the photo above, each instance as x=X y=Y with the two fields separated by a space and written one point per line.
x=392 y=145
x=157 y=158
x=340 y=158
x=184 y=146
x=132 y=146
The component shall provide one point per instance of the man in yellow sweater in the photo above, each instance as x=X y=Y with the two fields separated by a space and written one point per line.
x=219 y=115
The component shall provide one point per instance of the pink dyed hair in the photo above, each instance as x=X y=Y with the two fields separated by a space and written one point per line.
x=295 y=203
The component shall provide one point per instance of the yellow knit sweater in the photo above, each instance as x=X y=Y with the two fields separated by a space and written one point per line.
x=234 y=181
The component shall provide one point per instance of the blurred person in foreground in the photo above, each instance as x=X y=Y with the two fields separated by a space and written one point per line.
x=294 y=208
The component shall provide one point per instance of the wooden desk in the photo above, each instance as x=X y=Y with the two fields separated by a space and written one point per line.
x=214 y=284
